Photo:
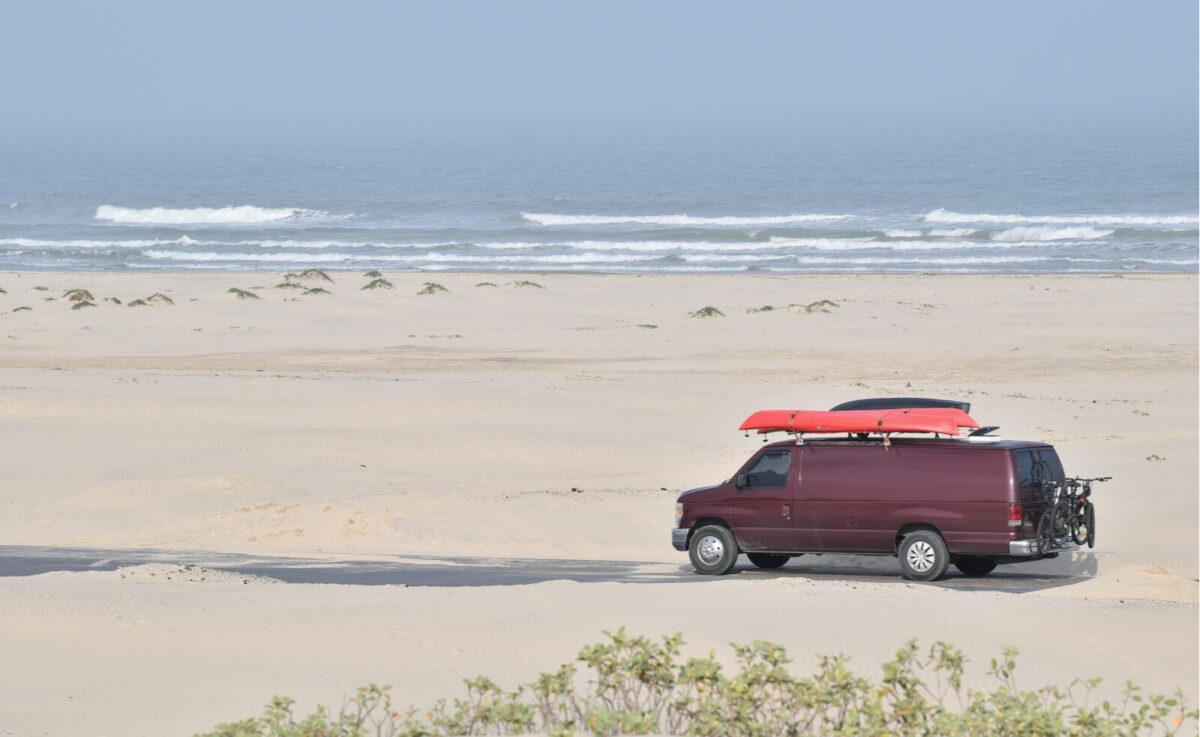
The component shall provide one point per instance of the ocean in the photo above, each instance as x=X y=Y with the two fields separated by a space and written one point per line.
x=1030 y=198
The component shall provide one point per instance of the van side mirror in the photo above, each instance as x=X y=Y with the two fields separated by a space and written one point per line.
x=740 y=480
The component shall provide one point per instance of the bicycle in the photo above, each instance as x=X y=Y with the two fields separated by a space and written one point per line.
x=1069 y=513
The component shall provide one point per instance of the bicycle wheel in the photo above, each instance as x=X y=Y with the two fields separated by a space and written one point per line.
x=1089 y=516
x=1078 y=524
x=1045 y=530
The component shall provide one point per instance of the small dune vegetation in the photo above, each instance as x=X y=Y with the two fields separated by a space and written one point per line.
x=431 y=288
x=634 y=685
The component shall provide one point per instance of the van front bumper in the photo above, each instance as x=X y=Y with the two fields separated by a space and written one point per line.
x=1029 y=548
x=679 y=537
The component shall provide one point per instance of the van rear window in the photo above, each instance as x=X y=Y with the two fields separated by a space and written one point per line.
x=1036 y=466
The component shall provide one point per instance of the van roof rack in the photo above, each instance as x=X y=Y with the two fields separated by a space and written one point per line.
x=901 y=403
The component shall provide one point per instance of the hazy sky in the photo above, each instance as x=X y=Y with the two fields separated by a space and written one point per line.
x=342 y=64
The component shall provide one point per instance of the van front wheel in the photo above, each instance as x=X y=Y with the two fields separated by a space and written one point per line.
x=713 y=550
x=923 y=556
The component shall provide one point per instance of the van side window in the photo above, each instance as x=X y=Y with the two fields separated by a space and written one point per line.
x=769 y=471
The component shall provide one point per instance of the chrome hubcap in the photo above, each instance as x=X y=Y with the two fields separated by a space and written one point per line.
x=920 y=556
x=710 y=550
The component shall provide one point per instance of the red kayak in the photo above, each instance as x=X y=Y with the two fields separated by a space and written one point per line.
x=915 y=419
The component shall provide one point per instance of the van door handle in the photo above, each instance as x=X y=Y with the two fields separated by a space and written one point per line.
x=787 y=511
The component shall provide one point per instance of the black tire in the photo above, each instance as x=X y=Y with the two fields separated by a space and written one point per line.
x=1080 y=532
x=1048 y=527
x=768 y=560
x=974 y=566
x=1089 y=518
x=923 y=556
x=713 y=550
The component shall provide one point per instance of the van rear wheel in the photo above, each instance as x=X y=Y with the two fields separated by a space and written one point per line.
x=768 y=560
x=713 y=550
x=923 y=556
x=973 y=565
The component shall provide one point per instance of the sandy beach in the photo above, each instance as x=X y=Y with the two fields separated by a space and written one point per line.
x=544 y=416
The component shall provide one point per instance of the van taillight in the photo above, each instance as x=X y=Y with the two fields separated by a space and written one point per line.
x=1014 y=515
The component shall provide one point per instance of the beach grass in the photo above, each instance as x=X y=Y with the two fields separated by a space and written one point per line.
x=241 y=293
x=379 y=283
x=432 y=288
x=708 y=311
x=309 y=274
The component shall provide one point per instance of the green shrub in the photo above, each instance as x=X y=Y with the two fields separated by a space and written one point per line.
x=634 y=685
x=432 y=288
x=242 y=293
x=709 y=311
x=373 y=274
x=379 y=283
x=309 y=274
x=821 y=305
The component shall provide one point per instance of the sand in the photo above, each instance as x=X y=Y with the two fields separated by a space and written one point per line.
x=556 y=422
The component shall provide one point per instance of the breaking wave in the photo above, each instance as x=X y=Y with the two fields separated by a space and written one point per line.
x=945 y=216
x=240 y=215
x=676 y=220
x=1036 y=233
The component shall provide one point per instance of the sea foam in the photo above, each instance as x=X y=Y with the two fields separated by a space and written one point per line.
x=240 y=215
x=1042 y=233
x=676 y=220
x=945 y=216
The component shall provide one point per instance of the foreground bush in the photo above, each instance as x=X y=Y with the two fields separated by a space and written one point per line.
x=637 y=686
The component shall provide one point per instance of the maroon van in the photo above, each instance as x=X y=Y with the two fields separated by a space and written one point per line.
x=972 y=502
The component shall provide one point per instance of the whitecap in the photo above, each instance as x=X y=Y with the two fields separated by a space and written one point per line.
x=944 y=216
x=676 y=220
x=239 y=215
x=1041 y=233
